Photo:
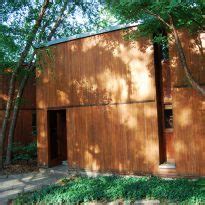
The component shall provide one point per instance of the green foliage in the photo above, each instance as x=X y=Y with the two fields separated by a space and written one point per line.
x=24 y=152
x=185 y=14
x=83 y=189
x=19 y=18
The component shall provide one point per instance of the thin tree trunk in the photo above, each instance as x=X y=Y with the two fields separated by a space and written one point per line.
x=15 y=117
x=14 y=74
x=23 y=84
x=6 y=119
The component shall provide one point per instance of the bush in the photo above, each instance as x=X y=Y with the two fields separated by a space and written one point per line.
x=24 y=152
x=83 y=189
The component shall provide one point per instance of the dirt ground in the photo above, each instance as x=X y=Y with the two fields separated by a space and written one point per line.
x=20 y=167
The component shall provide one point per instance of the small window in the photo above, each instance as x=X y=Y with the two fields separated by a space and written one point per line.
x=34 y=128
x=168 y=117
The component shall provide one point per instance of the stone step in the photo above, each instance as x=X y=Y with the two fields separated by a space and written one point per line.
x=167 y=170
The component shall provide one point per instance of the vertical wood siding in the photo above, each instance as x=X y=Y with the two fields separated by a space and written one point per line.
x=189 y=131
x=120 y=138
x=29 y=96
x=193 y=48
x=107 y=85
x=189 y=108
x=100 y=69
x=24 y=131
x=42 y=141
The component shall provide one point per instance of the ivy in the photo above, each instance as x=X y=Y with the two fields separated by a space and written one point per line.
x=109 y=188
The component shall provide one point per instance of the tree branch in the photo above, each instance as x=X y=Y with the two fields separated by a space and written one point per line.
x=182 y=57
x=183 y=61
x=58 y=21
x=32 y=34
x=158 y=17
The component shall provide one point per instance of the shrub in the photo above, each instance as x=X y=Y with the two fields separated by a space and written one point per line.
x=24 y=152
x=83 y=189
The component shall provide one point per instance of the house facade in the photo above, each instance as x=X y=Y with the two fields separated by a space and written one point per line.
x=111 y=105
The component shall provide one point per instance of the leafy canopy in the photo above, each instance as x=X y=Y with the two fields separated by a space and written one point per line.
x=19 y=18
x=186 y=14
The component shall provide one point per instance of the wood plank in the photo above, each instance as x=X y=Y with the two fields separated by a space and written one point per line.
x=113 y=138
x=97 y=70
x=189 y=119
x=42 y=140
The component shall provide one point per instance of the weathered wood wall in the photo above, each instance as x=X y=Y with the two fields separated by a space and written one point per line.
x=107 y=85
x=101 y=69
x=24 y=131
x=189 y=108
x=119 y=138
x=189 y=131
x=42 y=140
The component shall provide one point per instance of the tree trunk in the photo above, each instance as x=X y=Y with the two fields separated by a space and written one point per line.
x=14 y=119
x=23 y=84
x=14 y=75
x=6 y=119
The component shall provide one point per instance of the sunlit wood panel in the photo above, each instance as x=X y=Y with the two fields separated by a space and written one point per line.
x=100 y=69
x=113 y=138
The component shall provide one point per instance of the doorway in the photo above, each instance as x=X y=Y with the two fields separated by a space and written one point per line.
x=57 y=137
x=164 y=106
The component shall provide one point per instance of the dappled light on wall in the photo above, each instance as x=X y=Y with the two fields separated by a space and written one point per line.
x=107 y=85
x=63 y=96
x=184 y=117
x=100 y=69
x=41 y=104
x=115 y=85
x=129 y=118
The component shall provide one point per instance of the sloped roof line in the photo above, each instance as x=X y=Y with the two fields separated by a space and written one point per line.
x=84 y=35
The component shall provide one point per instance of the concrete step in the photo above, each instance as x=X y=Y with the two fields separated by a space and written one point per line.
x=167 y=170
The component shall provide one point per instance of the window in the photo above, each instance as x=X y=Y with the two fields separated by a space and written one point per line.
x=168 y=117
x=34 y=128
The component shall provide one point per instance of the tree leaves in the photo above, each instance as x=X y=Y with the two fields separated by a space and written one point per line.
x=19 y=17
x=185 y=14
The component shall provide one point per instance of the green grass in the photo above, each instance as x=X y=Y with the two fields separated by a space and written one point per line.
x=83 y=189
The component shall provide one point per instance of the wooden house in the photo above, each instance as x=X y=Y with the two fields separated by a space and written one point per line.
x=107 y=104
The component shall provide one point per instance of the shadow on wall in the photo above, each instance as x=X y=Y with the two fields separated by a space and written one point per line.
x=194 y=48
x=98 y=69
x=29 y=97
x=189 y=106
x=112 y=138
